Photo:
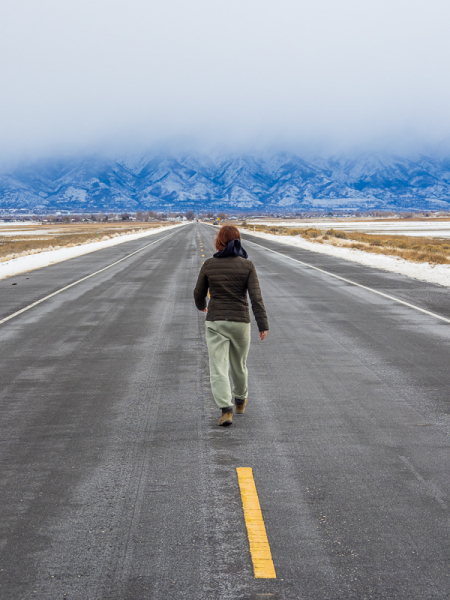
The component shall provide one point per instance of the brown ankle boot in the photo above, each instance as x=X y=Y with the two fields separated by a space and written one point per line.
x=240 y=408
x=226 y=419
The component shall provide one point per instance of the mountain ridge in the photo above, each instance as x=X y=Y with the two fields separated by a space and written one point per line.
x=278 y=181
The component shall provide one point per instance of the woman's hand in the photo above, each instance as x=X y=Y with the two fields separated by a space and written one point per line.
x=263 y=335
x=205 y=310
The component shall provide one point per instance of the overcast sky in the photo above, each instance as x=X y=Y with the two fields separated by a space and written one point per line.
x=79 y=74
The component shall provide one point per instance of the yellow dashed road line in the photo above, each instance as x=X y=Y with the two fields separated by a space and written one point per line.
x=263 y=567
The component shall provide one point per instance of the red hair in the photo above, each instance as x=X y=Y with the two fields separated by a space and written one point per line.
x=226 y=234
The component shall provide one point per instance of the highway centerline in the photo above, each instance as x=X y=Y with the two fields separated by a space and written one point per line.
x=19 y=312
x=263 y=566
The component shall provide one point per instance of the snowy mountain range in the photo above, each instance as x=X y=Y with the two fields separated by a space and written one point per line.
x=272 y=182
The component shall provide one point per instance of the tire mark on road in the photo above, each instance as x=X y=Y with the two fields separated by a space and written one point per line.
x=431 y=489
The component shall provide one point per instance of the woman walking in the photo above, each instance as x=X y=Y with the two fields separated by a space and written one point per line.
x=228 y=276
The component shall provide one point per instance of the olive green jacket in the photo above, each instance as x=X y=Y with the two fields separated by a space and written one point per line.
x=228 y=281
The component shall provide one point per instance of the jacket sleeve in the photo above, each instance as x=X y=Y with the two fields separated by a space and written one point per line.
x=254 y=291
x=201 y=289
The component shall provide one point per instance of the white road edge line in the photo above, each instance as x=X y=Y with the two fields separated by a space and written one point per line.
x=364 y=287
x=19 y=312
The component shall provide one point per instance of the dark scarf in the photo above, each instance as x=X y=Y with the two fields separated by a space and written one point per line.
x=233 y=248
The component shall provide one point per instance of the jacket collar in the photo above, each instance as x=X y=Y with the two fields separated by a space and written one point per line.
x=233 y=248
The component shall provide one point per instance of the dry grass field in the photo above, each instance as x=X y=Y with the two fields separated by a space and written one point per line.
x=18 y=241
x=416 y=249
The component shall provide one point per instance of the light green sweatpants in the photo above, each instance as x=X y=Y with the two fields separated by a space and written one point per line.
x=228 y=346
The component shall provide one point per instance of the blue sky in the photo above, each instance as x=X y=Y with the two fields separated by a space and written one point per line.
x=334 y=74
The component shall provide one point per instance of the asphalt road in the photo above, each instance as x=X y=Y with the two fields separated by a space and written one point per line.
x=117 y=483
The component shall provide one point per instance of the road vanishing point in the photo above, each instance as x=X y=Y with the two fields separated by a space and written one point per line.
x=118 y=484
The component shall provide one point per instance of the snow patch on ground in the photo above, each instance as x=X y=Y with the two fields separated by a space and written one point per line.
x=440 y=229
x=423 y=271
x=23 y=264
x=17 y=223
